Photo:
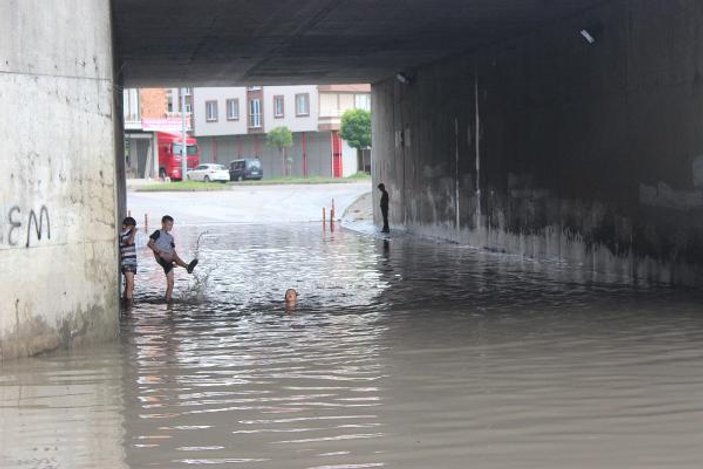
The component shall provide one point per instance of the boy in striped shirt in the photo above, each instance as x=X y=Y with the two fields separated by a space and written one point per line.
x=128 y=256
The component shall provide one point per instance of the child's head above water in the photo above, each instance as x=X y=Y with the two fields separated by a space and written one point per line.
x=129 y=222
x=291 y=296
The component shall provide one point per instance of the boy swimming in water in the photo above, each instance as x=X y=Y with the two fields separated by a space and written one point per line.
x=291 y=299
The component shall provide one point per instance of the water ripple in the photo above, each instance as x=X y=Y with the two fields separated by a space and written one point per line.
x=406 y=353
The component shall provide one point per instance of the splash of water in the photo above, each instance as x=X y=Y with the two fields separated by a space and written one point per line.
x=196 y=292
x=196 y=252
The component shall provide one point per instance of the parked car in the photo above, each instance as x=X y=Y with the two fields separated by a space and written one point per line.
x=209 y=172
x=246 y=168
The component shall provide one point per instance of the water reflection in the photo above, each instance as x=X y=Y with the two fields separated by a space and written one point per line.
x=62 y=411
x=401 y=353
x=259 y=386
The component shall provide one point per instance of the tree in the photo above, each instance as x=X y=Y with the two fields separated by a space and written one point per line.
x=356 y=130
x=281 y=138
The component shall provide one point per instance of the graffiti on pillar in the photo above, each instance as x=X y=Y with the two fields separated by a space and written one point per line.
x=22 y=228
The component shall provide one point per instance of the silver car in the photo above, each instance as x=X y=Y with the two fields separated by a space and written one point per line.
x=209 y=172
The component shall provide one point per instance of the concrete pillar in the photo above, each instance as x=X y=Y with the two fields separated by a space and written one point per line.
x=57 y=184
x=590 y=151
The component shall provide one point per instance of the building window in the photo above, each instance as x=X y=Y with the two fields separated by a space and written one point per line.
x=278 y=108
x=302 y=104
x=232 y=109
x=188 y=91
x=131 y=104
x=362 y=101
x=189 y=109
x=255 y=113
x=211 y=111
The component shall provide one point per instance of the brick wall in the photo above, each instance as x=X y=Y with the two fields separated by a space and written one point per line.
x=153 y=103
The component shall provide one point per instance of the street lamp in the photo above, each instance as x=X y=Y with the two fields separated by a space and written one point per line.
x=184 y=146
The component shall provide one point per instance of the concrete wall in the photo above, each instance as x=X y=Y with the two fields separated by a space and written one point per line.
x=350 y=160
x=587 y=152
x=57 y=187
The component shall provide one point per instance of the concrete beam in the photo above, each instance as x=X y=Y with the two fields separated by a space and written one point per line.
x=222 y=43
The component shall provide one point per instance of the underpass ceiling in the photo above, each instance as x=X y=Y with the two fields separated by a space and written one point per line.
x=256 y=42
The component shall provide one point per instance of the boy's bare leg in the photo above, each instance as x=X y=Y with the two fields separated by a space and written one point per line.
x=169 y=286
x=182 y=263
x=129 y=285
x=177 y=259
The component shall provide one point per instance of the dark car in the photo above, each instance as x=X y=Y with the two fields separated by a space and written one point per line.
x=247 y=168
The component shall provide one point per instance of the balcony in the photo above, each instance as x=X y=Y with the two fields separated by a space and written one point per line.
x=174 y=114
x=170 y=124
x=329 y=120
x=132 y=123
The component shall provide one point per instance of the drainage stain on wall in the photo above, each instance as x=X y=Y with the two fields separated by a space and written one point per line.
x=587 y=154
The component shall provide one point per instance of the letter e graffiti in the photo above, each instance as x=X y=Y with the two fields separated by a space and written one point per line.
x=14 y=225
x=38 y=226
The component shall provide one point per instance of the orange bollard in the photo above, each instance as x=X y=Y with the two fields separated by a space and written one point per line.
x=129 y=213
x=324 y=215
x=146 y=223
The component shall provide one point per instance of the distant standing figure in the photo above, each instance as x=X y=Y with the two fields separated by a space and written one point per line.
x=128 y=256
x=162 y=243
x=384 y=207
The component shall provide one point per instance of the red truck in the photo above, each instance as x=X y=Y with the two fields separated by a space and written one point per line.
x=170 y=145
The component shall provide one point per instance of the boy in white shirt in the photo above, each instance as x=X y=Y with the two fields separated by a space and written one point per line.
x=164 y=247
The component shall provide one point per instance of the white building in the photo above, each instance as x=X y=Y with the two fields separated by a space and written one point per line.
x=231 y=123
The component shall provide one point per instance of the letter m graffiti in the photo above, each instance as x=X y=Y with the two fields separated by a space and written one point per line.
x=38 y=224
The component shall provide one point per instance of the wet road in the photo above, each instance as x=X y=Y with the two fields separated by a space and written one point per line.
x=247 y=203
x=403 y=353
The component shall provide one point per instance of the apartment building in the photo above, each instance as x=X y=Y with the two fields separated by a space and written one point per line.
x=146 y=112
x=232 y=122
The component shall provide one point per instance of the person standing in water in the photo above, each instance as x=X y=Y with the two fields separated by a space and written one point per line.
x=128 y=256
x=164 y=247
x=384 y=207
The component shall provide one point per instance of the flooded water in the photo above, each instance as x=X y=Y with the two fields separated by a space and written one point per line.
x=402 y=353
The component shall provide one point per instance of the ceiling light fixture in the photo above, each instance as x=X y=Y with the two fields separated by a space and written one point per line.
x=402 y=78
x=587 y=36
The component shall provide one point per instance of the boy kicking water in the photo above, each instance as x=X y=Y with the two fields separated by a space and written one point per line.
x=164 y=247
